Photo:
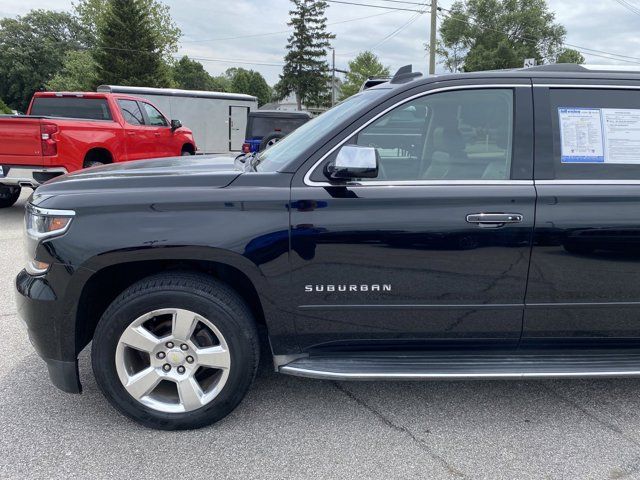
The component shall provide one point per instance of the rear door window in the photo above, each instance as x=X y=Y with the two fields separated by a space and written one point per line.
x=596 y=133
x=71 y=107
x=131 y=112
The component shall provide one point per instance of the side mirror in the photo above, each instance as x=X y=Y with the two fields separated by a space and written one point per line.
x=175 y=124
x=354 y=161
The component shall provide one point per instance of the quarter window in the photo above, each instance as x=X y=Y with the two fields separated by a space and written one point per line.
x=458 y=135
x=156 y=119
x=131 y=112
x=596 y=134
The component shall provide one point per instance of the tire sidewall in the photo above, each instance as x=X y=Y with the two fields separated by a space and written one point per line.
x=242 y=366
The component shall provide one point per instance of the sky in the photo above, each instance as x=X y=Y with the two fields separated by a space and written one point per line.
x=253 y=33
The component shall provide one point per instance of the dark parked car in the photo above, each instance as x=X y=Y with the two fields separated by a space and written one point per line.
x=480 y=225
x=267 y=127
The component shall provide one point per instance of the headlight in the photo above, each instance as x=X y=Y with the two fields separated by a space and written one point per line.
x=41 y=224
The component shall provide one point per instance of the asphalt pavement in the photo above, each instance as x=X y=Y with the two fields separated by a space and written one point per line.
x=291 y=427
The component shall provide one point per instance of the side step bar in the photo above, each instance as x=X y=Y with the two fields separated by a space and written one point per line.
x=461 y=367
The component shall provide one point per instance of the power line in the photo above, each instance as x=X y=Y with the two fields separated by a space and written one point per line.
x=387 y=37
x=281 y=31
x=375 y=6
x=629 y=6
x=399 y=1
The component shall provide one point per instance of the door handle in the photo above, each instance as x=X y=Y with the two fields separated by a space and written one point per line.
x=494 y=218
x=131 y=134
x=157 y=134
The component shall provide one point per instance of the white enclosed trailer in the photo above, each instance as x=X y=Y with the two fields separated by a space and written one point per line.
x=218 y=119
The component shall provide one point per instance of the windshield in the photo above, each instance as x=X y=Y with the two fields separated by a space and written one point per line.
x=286 y=150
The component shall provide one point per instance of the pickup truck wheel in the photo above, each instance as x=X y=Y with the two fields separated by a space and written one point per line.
x=185 y=153
x=92 y=163
x=9 y=196
x=176 y=351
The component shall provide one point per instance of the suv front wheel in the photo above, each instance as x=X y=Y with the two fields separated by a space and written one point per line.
x=176 y=351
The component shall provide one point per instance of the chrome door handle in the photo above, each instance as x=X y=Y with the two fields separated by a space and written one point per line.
x=494 y=218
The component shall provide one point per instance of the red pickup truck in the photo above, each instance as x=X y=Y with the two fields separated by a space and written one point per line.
x=64 y=132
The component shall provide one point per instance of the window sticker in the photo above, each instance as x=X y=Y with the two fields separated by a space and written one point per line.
x=581 y=139
x=599 y=135
x=621 y=135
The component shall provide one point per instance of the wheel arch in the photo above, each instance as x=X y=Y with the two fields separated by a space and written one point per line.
x=99 y=154
x=108 y=281
x=188 y=147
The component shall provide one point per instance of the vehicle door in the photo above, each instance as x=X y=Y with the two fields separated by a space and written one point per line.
x=585 y=263
x=237 y=126
x=166 y=145
x=139 y=139
x=408 y=258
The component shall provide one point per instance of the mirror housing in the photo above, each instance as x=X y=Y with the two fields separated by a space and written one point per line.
x=354 y=161
x=175 y=124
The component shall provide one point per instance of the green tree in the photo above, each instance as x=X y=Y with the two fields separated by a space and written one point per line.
x=32 y=49
x=366 y=65
x=78 y=73
x=93 y=16
x=249 y=82
x=127 y=50
x=4 y=108
x=494 y=34
x=306 y=71
x=570 y=56
x=191 y=75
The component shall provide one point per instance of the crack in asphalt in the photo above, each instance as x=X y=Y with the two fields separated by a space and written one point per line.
x=404 y=430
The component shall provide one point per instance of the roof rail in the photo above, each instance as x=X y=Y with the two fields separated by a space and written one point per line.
x=573 y=67
x=404 y=74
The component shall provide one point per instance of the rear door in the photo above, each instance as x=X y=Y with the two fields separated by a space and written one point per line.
x=237 y=126
x=585 y=265
x=404 y=260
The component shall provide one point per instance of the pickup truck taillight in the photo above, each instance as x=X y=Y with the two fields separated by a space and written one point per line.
x=246 y=148
x=48 y=139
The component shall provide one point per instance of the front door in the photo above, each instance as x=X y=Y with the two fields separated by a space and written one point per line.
x=407 y=259
x=164 y=144
x=237 y=126
x=140 y=140
x=585 y=264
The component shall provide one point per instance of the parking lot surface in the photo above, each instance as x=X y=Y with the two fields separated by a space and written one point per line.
x=290 y=427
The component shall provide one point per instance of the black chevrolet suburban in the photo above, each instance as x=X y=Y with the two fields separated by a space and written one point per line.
x=480 y=225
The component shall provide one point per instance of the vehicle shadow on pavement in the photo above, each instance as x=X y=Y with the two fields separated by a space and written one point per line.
x=288 y=427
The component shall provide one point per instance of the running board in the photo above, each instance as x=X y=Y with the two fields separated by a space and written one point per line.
x=460 y=367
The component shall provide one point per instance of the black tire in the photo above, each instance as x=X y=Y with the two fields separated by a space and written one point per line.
x=204 y=295
x=92 y=163
x=9 y=196
x=264 y=144
x=185 y=153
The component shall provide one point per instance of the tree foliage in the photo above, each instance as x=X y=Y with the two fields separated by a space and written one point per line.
x=306 y=71
x=93 y=15
x=366 y=65
x=570 y=56
x=494 y=34
x=32 y=48
x=4 y=108
x=128 y=51
x=249 y=82
x=191 y=75
x=78 y=73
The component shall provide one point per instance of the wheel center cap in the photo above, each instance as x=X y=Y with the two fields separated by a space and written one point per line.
x=175 y=358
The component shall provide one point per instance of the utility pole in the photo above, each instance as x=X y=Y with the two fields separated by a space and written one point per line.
x=432 y=40
x=333 y=78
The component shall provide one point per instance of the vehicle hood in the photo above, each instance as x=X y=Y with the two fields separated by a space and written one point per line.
x=189 y=171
